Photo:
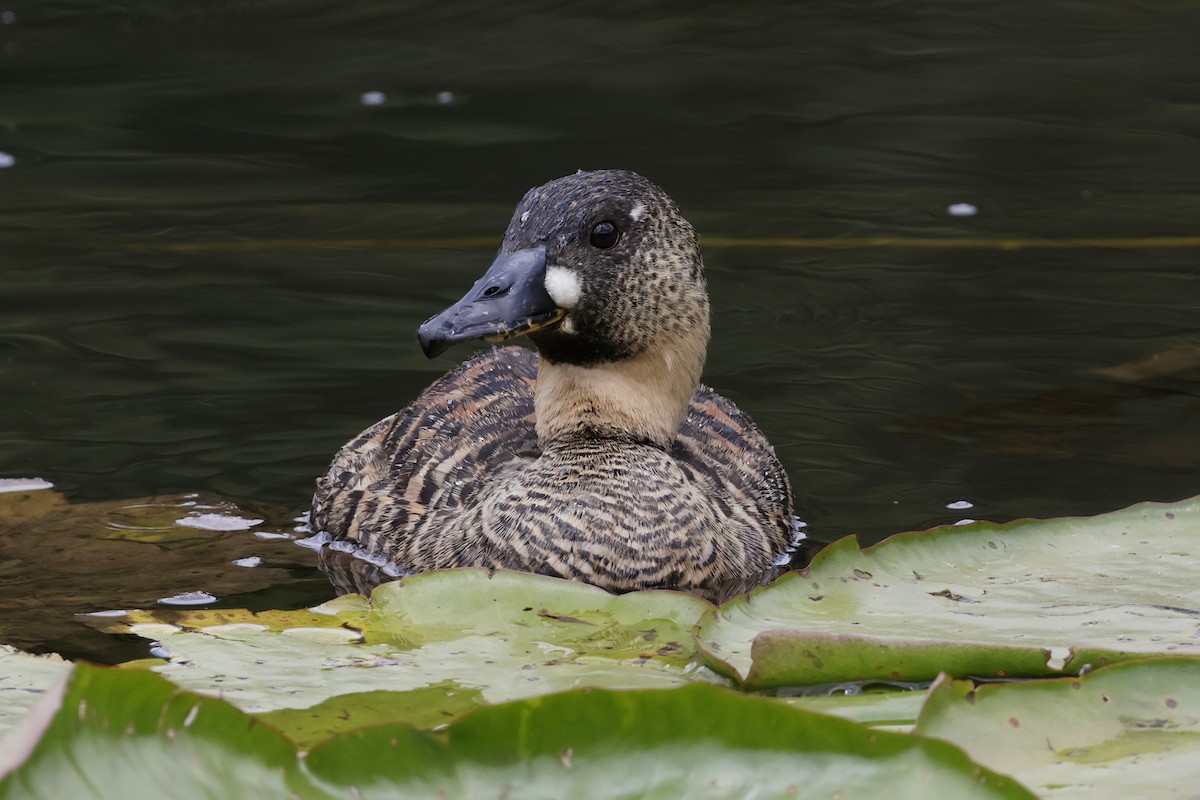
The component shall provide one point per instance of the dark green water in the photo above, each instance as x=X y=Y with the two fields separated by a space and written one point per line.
x=214 y=254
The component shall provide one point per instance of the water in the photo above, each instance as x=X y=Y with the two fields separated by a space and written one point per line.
x=220 y=225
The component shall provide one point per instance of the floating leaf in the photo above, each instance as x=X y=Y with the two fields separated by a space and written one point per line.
x=430 y=707
x=24 y=679
x=432 y=646
x=1129 y=730
x=1030 y=598
x=696 y=742
x=131 y=734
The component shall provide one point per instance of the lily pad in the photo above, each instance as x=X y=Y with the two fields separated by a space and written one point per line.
x=24 y=679
x=115 y=733
x=131 y=734
x=428 y=708
x=1027 y=599
x=1129 y=730
x=696 y=742
x=428 y=648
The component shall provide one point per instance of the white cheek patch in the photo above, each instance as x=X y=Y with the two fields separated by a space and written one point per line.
x=637 y=212
x=563 y=286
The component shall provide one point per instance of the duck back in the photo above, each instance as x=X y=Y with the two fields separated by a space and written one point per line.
x=458 y=479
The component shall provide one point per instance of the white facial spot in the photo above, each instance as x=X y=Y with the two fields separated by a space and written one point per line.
x=638 y=212
x=563 y=286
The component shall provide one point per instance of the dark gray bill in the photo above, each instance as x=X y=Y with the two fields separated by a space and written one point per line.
x=509 y=300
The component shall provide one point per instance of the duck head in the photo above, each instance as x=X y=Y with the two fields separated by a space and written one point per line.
x=604 y=274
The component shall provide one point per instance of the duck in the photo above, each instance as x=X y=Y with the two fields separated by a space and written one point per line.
x=601 y=457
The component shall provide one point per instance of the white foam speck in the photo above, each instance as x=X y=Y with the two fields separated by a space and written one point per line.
x=960 y=505
x=315 y=542
x=445 y=98
x=188 y=599
x=115 y=612
x=8 y=17
x=964 y=522
x=373 y=98
x=218 y=522
x=249 y=561
x=962 y=210
x=24 y=484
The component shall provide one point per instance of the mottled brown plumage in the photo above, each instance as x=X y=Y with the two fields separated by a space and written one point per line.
x=602 y=459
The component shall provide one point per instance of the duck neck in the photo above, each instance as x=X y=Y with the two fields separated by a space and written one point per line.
x=644 y=397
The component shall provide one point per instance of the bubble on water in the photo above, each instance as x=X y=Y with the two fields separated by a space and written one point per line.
x=188 y=599
x=373 y=98
x=315 y=542
x=959 y=505
x=445 y=98
x=962 y=210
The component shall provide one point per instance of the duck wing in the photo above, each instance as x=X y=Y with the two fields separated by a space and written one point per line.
x=435 y=455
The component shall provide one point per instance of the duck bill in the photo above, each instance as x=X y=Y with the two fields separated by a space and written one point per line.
x=509 y=300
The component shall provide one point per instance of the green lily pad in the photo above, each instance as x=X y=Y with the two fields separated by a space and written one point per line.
x=24 y=679
x=697 y=742
x=429 y=647
x=1129 y=730
x=1026 y=599
x=429 y=708
x=131 y=734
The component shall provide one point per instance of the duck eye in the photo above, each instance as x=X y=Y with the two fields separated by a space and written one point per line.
x=604 y=234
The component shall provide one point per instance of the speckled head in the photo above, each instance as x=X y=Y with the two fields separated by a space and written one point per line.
x=621 y=261
x=596 y=267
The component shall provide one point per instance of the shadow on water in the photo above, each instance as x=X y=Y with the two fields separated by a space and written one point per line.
x=929 y=229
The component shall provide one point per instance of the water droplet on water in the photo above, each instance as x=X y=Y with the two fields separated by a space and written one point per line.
x=960 y=505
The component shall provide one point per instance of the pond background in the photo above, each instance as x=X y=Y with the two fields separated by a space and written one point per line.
x=221 y=223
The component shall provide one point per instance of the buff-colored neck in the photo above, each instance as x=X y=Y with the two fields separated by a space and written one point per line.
x=645 y=396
